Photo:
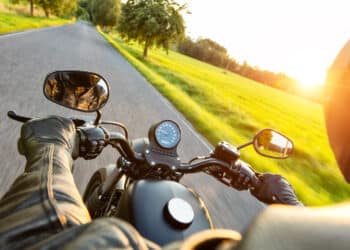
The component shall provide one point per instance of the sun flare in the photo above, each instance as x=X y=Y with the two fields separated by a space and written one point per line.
x=311 y=79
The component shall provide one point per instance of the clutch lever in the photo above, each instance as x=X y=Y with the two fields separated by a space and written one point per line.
x=12 y=114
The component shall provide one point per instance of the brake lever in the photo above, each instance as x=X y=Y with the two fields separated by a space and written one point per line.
x=240 y=172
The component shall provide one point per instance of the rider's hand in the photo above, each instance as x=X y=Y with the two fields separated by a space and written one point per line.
x=275 y=189
x=244 y=175
x=92 y=141
x=54 y=129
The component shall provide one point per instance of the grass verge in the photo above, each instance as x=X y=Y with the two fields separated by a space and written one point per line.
x=224 y=106
x=13 y=22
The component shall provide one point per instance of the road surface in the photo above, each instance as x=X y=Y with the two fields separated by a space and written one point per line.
x=27 y=57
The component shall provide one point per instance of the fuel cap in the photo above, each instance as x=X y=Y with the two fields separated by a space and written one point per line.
x=179 y=213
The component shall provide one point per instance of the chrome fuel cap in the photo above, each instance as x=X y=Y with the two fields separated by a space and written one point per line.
x=179 y=213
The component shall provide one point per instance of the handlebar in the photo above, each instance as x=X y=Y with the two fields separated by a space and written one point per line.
x=114 y=138
x=212 y=162
x=118 y=141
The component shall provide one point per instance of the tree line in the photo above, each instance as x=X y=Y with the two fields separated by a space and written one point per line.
x=100 y=12
x=211 y=52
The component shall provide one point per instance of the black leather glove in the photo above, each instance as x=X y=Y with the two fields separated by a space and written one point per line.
x=54 y=129
x=92 y=141
x=244 y=175
x=275 y=189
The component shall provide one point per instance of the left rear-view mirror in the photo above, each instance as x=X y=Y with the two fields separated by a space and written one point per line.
x=78 y=90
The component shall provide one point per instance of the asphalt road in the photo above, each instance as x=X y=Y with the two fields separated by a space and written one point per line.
x=26 y=58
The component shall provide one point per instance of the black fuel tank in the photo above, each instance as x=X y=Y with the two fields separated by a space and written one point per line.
x=145 y=204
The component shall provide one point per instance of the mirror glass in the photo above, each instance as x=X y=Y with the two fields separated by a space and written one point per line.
x=83 y=91
x=272 y=144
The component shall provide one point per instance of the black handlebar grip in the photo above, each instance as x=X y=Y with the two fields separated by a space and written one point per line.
x=14 y=116
x=256 y=183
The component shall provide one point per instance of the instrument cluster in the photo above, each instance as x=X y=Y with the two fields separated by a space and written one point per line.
x=167 y=134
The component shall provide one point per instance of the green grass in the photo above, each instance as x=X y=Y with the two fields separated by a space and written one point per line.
x=13 y=22
x=224 y=106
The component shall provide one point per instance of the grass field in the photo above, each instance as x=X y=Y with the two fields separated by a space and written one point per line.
x=16 y=18
x=224 y=106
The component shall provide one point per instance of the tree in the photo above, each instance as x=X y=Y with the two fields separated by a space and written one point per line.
x=206 y=50
x=58 y=7
x=152 y=23
x=105 y=12
x=67 y=8
x=84 y=10
x=31 y=5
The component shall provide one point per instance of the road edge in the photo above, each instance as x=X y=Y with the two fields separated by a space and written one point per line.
x=27 y=31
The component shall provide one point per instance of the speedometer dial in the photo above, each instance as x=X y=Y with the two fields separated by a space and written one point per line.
x=168 y=134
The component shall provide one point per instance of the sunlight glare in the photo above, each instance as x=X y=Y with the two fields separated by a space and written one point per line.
x=311 y=76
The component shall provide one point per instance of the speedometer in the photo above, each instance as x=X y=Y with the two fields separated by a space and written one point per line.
x=168 y=134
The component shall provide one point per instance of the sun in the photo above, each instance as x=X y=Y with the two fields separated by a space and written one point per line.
x=309 y=79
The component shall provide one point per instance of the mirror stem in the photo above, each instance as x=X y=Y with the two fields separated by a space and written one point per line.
x=244 y=145
x=98 y=117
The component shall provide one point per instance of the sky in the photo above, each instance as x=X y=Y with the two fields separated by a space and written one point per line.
x=297 y=37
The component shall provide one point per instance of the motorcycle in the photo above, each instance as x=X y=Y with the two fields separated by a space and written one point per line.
x=143 y=186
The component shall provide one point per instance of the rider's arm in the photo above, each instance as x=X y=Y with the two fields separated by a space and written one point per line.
x=44 y=199
x=43 y=208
